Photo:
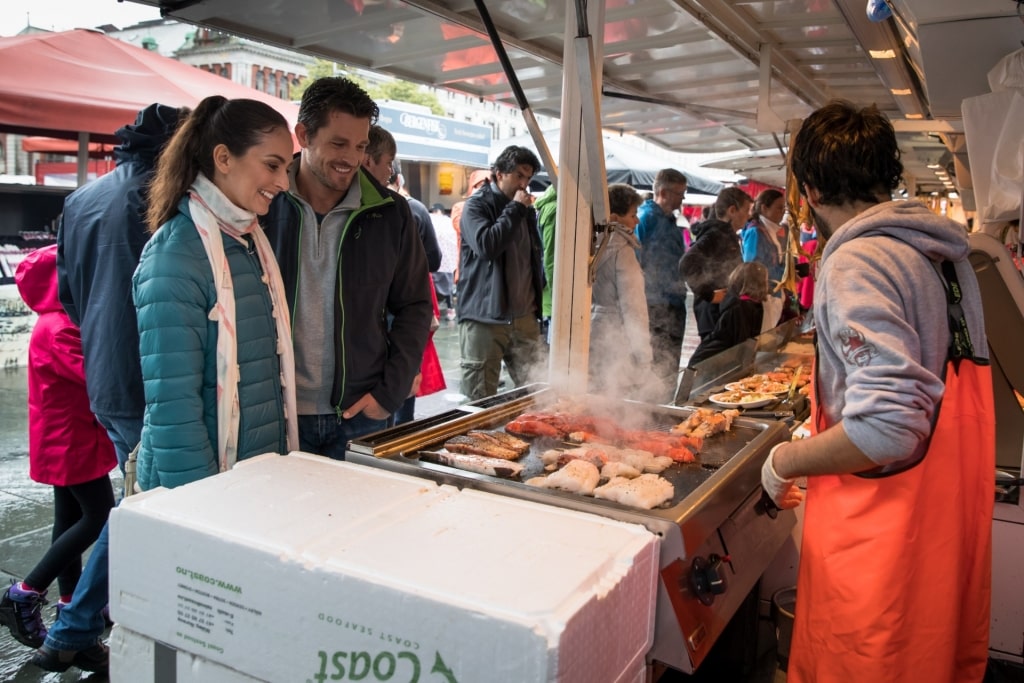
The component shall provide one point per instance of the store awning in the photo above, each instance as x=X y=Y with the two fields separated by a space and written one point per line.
x=424 y=137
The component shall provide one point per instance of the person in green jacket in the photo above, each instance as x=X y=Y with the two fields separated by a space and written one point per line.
x=547 y=206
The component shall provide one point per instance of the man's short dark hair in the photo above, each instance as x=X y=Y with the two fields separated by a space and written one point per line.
x=381 y=142
x=846 y=154
x=669 y=176
x=514 y=156
x=330 y=94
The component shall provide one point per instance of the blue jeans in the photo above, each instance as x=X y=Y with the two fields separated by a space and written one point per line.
x=329 y=434
x=81 y=623
x=124 y=432
x=406 y=412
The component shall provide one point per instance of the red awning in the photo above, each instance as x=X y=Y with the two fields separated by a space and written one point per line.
x=58 y=84
x=36 y=143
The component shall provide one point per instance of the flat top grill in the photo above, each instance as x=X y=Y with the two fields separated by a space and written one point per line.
x=399 y=448
x=685 y=477
x=716 y=510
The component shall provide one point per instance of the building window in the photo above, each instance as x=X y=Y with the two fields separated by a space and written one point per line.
x=259 y=81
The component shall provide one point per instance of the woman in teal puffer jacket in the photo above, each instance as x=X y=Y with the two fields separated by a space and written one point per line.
x=215 y=343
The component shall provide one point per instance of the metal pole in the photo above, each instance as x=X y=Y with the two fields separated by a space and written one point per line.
x=517 y=90
x=83 y=158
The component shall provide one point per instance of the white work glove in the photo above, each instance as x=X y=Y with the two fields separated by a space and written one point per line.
x=783 y=492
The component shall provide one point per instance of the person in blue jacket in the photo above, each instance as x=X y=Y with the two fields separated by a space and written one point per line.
x=214 y=330
x=765 y=240
x=662 y=248
x=99 y=241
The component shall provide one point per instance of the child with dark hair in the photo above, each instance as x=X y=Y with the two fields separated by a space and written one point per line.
x=742 y=311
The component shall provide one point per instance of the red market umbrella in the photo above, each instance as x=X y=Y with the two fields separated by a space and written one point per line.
x=61 y=84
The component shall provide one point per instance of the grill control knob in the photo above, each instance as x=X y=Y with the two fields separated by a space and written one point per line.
x=707 y=578
x=766 y=506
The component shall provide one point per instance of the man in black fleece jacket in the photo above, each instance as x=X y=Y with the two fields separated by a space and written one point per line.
x=714 y=254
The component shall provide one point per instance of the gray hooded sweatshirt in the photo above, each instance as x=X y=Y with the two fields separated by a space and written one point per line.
x=883 y=331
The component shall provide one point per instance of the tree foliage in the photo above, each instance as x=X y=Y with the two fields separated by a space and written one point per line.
x=321 y=68
x=396 y=90
x=404 y=91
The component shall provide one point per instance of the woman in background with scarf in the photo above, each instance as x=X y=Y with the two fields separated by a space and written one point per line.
x=620 y=340
x=214 y=326
x=763 y=240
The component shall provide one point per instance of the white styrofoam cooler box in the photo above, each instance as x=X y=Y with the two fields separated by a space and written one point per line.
x=135 y=657
x=300 y=568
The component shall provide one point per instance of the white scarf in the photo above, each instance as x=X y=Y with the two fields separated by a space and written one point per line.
x=213 y=213
x=771 y=229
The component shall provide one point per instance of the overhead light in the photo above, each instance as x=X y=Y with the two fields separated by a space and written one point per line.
x=915 y=116
x=882 y=54
x=900 y=91
x=934 y=166
x=935 y=194
x=953 y=195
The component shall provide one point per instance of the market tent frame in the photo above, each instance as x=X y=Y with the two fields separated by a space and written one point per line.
x=623 y=163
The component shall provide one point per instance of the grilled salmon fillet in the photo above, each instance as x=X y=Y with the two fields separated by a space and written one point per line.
x=504 y=440
x=480 y=445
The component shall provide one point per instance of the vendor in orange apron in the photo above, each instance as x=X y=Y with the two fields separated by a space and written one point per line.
x=865 y=614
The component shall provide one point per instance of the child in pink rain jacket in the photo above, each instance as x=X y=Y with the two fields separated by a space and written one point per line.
x=68 y=450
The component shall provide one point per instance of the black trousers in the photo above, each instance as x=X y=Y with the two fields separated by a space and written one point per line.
x=79 y=513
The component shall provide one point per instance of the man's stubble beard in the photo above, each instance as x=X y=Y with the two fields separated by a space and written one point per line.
x=823 y=226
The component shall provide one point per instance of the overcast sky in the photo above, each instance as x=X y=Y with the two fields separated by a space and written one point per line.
x=62 y=15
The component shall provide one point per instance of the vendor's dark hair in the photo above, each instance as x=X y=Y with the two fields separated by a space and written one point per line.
x=846 y=154
x=730 y=197
x=512 y=157
x=749 y=279
x=622 y=198
x=331 y=94
x=237 y=124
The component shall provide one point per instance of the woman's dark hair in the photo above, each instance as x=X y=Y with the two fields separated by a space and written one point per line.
x=728 y=198
x=512 y=157
x=766 y=199
x=334 y=93
x=846 y=154
x=749 y=279
x=622 y=198
x=237 y=124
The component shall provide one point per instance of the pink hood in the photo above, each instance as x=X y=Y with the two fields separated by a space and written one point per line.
x=36 y=278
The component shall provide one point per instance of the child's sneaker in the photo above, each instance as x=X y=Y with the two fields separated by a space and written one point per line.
x=21 y=612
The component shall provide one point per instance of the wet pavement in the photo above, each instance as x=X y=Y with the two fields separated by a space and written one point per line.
x=26 y=512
